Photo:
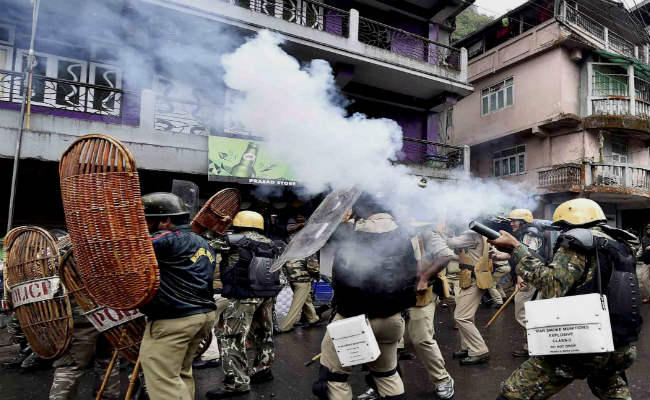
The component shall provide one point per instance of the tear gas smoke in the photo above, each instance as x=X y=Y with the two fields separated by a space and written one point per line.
x=300 y=113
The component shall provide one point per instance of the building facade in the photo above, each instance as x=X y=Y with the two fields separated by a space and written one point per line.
x=561 y=105
x=147 y=72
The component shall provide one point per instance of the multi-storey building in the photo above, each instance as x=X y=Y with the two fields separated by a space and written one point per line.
x=561 y=104
x=144 y=72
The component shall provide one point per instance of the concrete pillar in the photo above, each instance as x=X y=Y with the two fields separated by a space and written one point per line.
x=147 y=108
x=466 y=160
x=606 y=38
x=628 y=177
x=632 y=91
x=646 y=54
x=353 y=34
x=588 y=181
x=636 y=52
x=590 y=73
x=463 y=65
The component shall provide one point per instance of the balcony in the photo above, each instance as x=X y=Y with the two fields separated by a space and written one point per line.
x=599 y=34
x=433 y=159
x=65 y=98
x=601 y=178
x=379 y=56
x=618 y=98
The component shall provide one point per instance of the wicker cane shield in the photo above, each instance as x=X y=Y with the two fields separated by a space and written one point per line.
x=42 y=306
x=123 y=329
x=218 y=212
x=105 y=216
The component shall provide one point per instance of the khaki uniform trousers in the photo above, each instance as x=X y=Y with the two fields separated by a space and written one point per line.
x=166 y=353
x=420 y=332
x=520 y=299
x=467 y=303
x=496 y=291
x=643 y=275
x=300 y=303
x=213 y=353
x=387 y=331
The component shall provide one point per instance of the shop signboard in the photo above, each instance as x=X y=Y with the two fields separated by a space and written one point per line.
x=244 y=160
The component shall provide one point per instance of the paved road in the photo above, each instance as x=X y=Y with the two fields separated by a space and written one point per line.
x=293 y=381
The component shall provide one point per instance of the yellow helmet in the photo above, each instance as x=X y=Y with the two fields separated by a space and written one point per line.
x=249 y=219
x=578 y=212
x=521 y=213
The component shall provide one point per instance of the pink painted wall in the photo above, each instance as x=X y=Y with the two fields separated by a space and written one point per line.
x=544 y=86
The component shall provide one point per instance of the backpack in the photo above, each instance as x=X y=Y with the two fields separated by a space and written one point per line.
x=251 y=275
x=614 y=275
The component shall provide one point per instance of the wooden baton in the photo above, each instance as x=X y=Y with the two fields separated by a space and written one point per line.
x=315 y=358
x=100 y=392
x=503 y=307
x=134 y=377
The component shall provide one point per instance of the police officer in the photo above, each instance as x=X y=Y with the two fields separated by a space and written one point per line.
x=473 y=249
x=521 y=221
x=87 y=343
x=250 y=308
x=374 y=274
x=586 y=255
x=181 y=313
x=300 y=274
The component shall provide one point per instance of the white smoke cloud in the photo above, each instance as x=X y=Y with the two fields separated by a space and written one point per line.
x=298 y=110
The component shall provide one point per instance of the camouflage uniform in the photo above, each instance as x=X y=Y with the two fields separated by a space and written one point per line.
x=300 y=274
x=86 y=342
x=542 y=377
x=242 y=317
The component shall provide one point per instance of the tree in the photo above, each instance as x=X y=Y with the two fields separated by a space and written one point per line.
x=468 y=21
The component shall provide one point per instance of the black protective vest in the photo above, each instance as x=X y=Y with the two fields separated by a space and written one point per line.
x=374 y=273
x=617 y=279
x=250 y=276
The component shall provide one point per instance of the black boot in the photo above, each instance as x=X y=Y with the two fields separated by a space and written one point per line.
x=262 y=376
x=221 y=393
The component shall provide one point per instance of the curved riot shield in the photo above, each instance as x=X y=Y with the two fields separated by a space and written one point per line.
x=42 y=306
x=320 y=226
x=104 y=213
x=189 y=192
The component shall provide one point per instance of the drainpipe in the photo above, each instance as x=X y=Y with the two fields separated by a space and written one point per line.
x=19 y=139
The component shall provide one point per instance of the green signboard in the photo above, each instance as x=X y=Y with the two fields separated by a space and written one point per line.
x=243 y=160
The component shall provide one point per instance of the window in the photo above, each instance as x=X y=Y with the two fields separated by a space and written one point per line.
x=510 y=161
x=6 y=34
x=498 y=97
x=54 y=85
x=619 y=153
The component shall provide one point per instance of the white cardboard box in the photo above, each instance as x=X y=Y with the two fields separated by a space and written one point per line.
x=354 y=341
x=569 y=325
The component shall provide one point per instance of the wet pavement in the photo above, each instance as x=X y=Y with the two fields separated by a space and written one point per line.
x=293 y=380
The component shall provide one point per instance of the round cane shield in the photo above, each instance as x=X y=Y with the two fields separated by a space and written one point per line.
x=123 y=329
x=218 y=212
x=104 y=213
x=41 y=304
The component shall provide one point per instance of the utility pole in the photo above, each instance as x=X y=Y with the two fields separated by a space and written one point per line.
x=27 y=96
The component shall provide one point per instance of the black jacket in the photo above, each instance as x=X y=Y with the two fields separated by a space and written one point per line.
x=186 y=263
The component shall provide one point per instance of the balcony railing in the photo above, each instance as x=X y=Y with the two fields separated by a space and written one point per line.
x=61 y=94
x=609 y=39
x=408 y=44
x=600 y=176
x=323 y=17
x=431 y=154
x=307 y=13
x=563 y=175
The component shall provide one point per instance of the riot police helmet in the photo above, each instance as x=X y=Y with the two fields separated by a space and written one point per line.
x=578 y=212
x=248 y=219
x=163 y=204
